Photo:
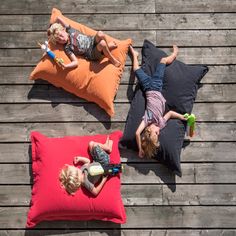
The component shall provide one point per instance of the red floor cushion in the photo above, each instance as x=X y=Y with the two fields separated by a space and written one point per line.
x=51 y=202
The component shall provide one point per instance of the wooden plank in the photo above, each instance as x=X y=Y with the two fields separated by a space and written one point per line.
x=30 y=39
x=45 y=93
x=148 y=195
x=118 y=6
x=120 y=232
x=164 y=38
x=70 y=6
x=200 y=195
x=189 y=38
x=91 y=112
x=194 y=152
x=143 y=173
x=193 y=6
x=125 y=21
x=20 y=75
x=216 y=56
x=204 y=131
x=156 y=217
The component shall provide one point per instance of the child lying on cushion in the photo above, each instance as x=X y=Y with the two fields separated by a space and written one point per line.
x=76 y=43
x=72 y=177
x=154 y=119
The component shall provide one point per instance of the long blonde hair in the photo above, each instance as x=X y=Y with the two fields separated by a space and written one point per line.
x=149 y=145
x=52 y=32
x=69 y=179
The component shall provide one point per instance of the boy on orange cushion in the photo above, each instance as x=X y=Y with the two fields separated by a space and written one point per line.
x=93 y=48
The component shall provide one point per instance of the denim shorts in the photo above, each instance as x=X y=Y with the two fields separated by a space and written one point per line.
x=149 y=83
x=99 y=155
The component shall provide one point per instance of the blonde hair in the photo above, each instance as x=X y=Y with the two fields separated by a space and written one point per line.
x=69 y=179
x=148 y=144
x=52 y=32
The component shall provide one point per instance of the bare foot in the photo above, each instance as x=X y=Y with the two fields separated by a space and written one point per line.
x=168 y=60
x=112 y=45
x=109 y=144
x=175 y=50
x=133 y=52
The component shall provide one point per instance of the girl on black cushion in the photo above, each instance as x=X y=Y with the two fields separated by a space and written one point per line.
x=154 y=119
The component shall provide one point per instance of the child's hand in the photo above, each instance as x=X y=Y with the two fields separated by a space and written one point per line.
x=63 y=65
x=141 y=153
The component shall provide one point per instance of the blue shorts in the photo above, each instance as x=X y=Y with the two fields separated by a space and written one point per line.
x=99 y=155
x=149 y=83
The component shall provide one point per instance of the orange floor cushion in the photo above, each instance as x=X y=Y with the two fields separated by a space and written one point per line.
x=94 y=81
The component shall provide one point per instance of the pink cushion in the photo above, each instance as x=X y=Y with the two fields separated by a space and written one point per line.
x=51 y=202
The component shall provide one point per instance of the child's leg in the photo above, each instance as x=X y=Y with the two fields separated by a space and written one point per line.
x=99 y=151
x=107 y=146
x=101 y=36
x=103 y=46
x=135 y=55
x=157 y=79
x=169 y=59
x=142 y=77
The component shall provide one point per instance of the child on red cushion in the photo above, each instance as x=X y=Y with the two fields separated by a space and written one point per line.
x=72 y=177
x=76 y=43
x=154 y=119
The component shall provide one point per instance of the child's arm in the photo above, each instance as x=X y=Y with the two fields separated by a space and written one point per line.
x=96 y=190
x=78 y=159
x=174 y=115
x=72 y=64
x=138 y=137
x=62 y=22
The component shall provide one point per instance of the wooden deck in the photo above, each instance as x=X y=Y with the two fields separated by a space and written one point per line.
x=203 y=201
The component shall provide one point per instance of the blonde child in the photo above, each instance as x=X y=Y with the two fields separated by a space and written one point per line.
x=154 y=119
x=72 y=178
x=76 y=43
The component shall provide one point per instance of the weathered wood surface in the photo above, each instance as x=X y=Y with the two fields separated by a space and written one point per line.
x=143 y=173
x=192 y=153
x=163 y=38
x=46 y=93
x=20 y=75
x=118 y=6
x=20 y=132
x=208 y=56
x=202 y=202
x=149 y=195
x=125 y=21
x=156 y=217
x=85 y=6
x=119 y=232
x=91 y=112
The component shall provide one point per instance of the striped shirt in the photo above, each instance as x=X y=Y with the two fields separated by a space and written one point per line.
x=155 y=109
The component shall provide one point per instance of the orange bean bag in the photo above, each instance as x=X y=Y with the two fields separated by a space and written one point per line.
x=94 y=81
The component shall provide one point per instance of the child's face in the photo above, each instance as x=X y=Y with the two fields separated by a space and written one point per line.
x=154 y=132
x=61 y=36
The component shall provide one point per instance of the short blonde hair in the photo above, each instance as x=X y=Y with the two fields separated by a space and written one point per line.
x=149 y=145
x=52 y=32
x=69 y=179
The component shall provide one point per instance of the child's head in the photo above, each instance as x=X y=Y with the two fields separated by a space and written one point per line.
x=57 y=34
x=70 y=178
x=150 y=141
